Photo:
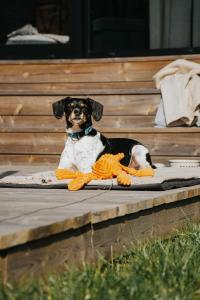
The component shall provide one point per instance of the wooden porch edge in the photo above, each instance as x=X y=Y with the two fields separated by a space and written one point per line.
x=105 y=236
x=107 y=60
x=96 y=216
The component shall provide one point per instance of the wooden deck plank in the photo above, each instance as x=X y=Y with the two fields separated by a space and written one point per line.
x=29 y=159
x=112 y=71
x=80 y=209
x=79 y=72
x=119 y=69
x=50 y=124
x=142 y=105
x=49 y=160
x=108 y=124
x=44 y=160
x=160 y=142
x=95 y=88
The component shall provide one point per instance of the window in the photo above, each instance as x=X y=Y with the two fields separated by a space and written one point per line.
x=34 y=28
x=98 y=28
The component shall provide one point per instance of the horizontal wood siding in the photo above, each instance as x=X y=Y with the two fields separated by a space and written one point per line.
x=107 y=70
x=125 y=105
x=79 y=88
x=162 y=143
x=30 y=134
x=49 y=124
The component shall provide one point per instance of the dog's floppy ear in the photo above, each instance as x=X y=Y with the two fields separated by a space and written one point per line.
x=97 y=109
x=58 y=108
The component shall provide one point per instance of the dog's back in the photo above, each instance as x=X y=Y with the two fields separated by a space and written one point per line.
x=126 y=146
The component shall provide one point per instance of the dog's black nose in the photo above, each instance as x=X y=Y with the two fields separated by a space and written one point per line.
x=77 y=111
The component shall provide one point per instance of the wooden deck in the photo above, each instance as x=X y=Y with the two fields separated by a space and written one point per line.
x=42 y=230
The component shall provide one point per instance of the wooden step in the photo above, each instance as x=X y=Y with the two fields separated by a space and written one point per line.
x=160 y=142
x=76 y=88
x=30 y=134
x=85 y=70
x=115 y=124
x=51 y=124
x=53 y=160
x=114 y=105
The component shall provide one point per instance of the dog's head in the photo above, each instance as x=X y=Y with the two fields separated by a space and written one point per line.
x=78 y=111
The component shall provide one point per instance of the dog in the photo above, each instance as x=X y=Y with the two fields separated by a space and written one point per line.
x=85 y=144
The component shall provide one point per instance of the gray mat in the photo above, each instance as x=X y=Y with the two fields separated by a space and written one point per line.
x=164 y=179
x=163 y=186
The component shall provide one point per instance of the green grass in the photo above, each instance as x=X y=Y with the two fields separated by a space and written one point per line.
x=164 y=269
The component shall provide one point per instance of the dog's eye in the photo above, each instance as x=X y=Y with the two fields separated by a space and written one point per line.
x=71 y=105
x=82 y=105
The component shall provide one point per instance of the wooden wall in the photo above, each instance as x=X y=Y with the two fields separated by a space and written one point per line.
x=30 y=134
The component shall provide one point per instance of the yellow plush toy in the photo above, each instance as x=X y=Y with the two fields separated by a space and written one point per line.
x=106 y=167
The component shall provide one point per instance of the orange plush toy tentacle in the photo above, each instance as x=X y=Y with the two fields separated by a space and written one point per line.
x=123 y=178
x=145 y=172
x=79 y=179
x=138 y=173
x=66 y=174
x=79 y=182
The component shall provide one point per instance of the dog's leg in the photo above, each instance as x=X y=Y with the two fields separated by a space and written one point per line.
x=85 y=167
x=65 y=162
x=140 y=157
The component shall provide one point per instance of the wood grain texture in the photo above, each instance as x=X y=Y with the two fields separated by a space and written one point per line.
x=50 y=124
x=79 y=88
x=14 y=160
x=113 y=104
x=99 y=70
x=61 y=210
x=108 y=240
x=105 y=236
x=28 y=159
x=160 y=143
x=115 y=124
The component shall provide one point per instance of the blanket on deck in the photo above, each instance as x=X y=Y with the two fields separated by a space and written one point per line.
x=165 y=178
x=179 y=83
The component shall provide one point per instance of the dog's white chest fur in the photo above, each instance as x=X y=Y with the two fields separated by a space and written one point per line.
x=81 y=154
